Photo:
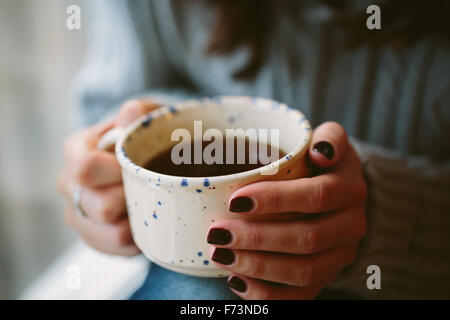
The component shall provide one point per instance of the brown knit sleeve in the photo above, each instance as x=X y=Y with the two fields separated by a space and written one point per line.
x=408 y=213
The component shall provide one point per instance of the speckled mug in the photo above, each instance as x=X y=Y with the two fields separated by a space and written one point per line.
x=170 y=215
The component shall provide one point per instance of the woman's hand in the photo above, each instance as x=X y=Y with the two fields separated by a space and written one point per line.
x=296 y=259
x=105 y=226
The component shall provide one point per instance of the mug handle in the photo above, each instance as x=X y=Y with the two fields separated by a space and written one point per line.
x=109 y=139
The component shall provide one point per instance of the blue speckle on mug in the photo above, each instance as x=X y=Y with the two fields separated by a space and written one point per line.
x=184 y=183
x=147 y=121
x=154 y=215
x=123 y=151
x=231 y=119
x=206 y=182
x=199 y=253
x=159 y=203
x=205 y=262
x=172 y=109
x=198 y=190
x=146 y=224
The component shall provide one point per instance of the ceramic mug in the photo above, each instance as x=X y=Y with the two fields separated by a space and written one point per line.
x=170 y=215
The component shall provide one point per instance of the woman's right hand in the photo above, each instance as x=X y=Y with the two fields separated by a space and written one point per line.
x=105 y=225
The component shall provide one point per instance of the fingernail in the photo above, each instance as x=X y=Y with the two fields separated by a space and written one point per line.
x=219 y=236
x=241 y=204
x=237 y=284
x=223 y=256
x=324 y=148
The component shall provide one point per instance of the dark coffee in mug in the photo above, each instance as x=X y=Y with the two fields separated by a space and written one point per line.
x=229 y=164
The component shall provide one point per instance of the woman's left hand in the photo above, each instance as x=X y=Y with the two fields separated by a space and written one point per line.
x=296 y=259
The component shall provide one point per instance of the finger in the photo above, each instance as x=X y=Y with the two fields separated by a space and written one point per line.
x=296 y=237
x=254 y=289
x=96 y=169
x=83 y=141
x=109 y=238
x=326 y=192
x=329 y=143
x=296 y=270
x=105 y=204
x=87 y=165
x=133 y=109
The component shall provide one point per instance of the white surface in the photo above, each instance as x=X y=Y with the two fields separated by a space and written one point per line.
x=101 y=276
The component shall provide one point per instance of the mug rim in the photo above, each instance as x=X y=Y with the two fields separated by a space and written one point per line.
x=166 y=109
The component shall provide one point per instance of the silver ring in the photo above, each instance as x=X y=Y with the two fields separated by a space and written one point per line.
x=76 y=198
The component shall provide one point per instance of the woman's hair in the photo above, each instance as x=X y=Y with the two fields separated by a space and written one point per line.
x=250 y=23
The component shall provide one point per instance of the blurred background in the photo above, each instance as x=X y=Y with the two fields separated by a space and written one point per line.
x=39 y=57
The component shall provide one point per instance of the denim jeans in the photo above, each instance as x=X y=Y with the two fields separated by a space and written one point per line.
x=163 y=284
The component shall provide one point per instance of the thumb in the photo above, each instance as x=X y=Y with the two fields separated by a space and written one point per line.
x=329 y=143
x=133 y=109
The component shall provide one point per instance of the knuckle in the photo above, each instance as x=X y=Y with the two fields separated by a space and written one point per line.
x=309 y=242
x=85 y=168
x=106 y=211
x=254 y=238
x=306 y=274
x=274 y=199
x=320 y=196
x=253 y=268
x=120 y=237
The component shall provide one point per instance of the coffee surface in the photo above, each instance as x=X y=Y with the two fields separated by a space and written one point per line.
x=162 y=163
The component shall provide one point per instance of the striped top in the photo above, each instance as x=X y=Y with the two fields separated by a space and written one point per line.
x=395 y=105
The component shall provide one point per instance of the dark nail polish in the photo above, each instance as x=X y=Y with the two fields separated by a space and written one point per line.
x=219 y=236
x=241 y=204
x=223 y=256
x=237 y=284
x=324 y=148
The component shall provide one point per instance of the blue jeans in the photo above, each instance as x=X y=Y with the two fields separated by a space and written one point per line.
x=163 y=284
